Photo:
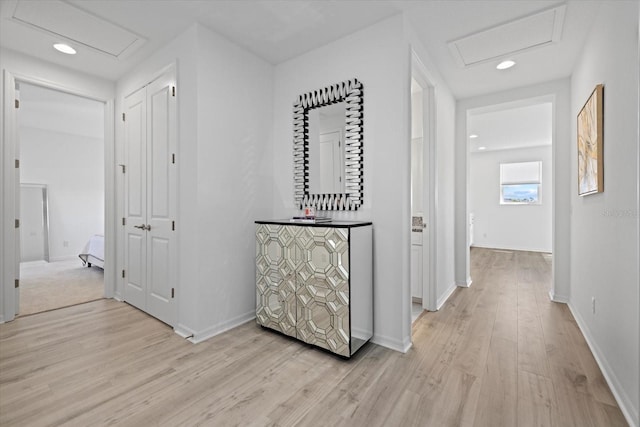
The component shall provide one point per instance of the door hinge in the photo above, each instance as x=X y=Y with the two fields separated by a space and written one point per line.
x=124 y=221
x=173 y=293
x=123 y=117
x=123 y=274
x=17 y=163
x=17 y=223
x=173 y=226
x=173 y=158
x=17 y=283
x=173 y=91
x=17 y=103
x=124 y=168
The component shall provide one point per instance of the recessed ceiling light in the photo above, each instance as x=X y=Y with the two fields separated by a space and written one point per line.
x=473 y=135
x=505 y=64
x=482 y=148
x=64 y=48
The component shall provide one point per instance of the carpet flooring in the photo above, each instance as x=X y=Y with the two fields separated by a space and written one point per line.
x=49 y=285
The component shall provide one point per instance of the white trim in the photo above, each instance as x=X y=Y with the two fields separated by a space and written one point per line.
x=466 y=284
x=65 y=258
x=392 y=343
x=184 y=331
x=423 y=76
x=447 y=294
x=623 y=400
x=8 y=198
x=522 y=249
x=564 y=299
x=9 y=178
x=219 y=328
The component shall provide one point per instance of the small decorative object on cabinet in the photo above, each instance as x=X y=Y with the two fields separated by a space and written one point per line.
x=314 y=282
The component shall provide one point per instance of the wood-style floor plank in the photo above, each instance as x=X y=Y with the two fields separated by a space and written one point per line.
x=497 y=354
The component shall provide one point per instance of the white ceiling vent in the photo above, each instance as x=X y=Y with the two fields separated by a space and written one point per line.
x=61 y=19
x=536 y=30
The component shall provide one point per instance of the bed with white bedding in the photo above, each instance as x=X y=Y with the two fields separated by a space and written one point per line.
x=93 y=253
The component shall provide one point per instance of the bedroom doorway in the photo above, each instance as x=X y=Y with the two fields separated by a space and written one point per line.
x=61 y=146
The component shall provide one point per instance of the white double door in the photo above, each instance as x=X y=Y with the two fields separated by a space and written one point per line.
x=150 y=199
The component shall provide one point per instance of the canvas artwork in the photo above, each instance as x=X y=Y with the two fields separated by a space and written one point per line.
x=590 y=151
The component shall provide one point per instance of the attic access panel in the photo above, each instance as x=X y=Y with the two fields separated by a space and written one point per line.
x=519 y=35
x=61 y=19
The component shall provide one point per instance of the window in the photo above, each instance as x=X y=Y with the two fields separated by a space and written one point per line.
x=520 y=183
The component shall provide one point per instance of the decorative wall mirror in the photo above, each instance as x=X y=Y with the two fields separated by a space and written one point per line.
x=327 y=147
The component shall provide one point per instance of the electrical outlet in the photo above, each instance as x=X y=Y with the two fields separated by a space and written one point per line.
x=593 y=305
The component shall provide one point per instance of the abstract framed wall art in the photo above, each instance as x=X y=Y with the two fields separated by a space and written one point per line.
x=590 y=148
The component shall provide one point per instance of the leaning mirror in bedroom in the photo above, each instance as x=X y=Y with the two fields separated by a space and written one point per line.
x=327 y=149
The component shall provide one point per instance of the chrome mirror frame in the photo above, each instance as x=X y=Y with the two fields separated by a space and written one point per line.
x=349 y=91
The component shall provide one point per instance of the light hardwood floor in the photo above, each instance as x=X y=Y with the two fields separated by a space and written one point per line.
x=497 y=354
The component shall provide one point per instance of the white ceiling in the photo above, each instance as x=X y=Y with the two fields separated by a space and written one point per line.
x=278 y=30
x=510 y=126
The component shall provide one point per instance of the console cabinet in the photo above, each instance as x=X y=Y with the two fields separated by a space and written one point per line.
x=314 y=282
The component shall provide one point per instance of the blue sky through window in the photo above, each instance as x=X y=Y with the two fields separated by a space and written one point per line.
x=520 y=193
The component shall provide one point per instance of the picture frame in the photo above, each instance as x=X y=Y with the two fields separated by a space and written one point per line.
x=590 y=122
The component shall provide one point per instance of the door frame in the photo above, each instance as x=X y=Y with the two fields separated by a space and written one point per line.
x=10 y=145
x=422 y=75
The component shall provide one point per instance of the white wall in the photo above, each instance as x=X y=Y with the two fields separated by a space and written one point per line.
x=443 y=185
x=379 y=58
x=235 y=121
x=557 y=92
x=24 y=67
x=604 y=250
x=72 y=167
x=224 y=173
x=517 y=227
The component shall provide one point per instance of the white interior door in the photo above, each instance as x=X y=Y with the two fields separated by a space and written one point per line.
x=135 y=205
x=161 y=139
x=16 y=191
x=150 y=199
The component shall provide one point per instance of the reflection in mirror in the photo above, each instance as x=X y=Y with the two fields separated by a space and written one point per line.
x=326 y=148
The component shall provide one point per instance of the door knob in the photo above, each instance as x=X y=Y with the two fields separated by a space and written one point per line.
x=148 y=227
x=141 y=227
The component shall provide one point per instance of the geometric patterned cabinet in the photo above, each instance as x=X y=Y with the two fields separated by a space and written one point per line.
x=314 y=282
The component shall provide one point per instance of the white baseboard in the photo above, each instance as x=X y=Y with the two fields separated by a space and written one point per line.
x=392 y=343
x=222 y=327
x=1 y=318
x=520 y=249
x=65 y=258
x=626 y=405
x=466 y=284
x=446 y=296
x=183 y=331
x=558 y=298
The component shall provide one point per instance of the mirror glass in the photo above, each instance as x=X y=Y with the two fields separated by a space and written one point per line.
x=326 y=148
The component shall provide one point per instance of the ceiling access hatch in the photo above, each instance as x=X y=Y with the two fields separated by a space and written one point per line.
x=63 y=20
x=519 y=35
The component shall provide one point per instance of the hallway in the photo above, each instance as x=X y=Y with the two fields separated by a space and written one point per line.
x=498 y=354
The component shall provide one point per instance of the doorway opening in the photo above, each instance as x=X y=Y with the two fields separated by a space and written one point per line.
x=510 y=176
x=423 y=191
x=61 y=193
